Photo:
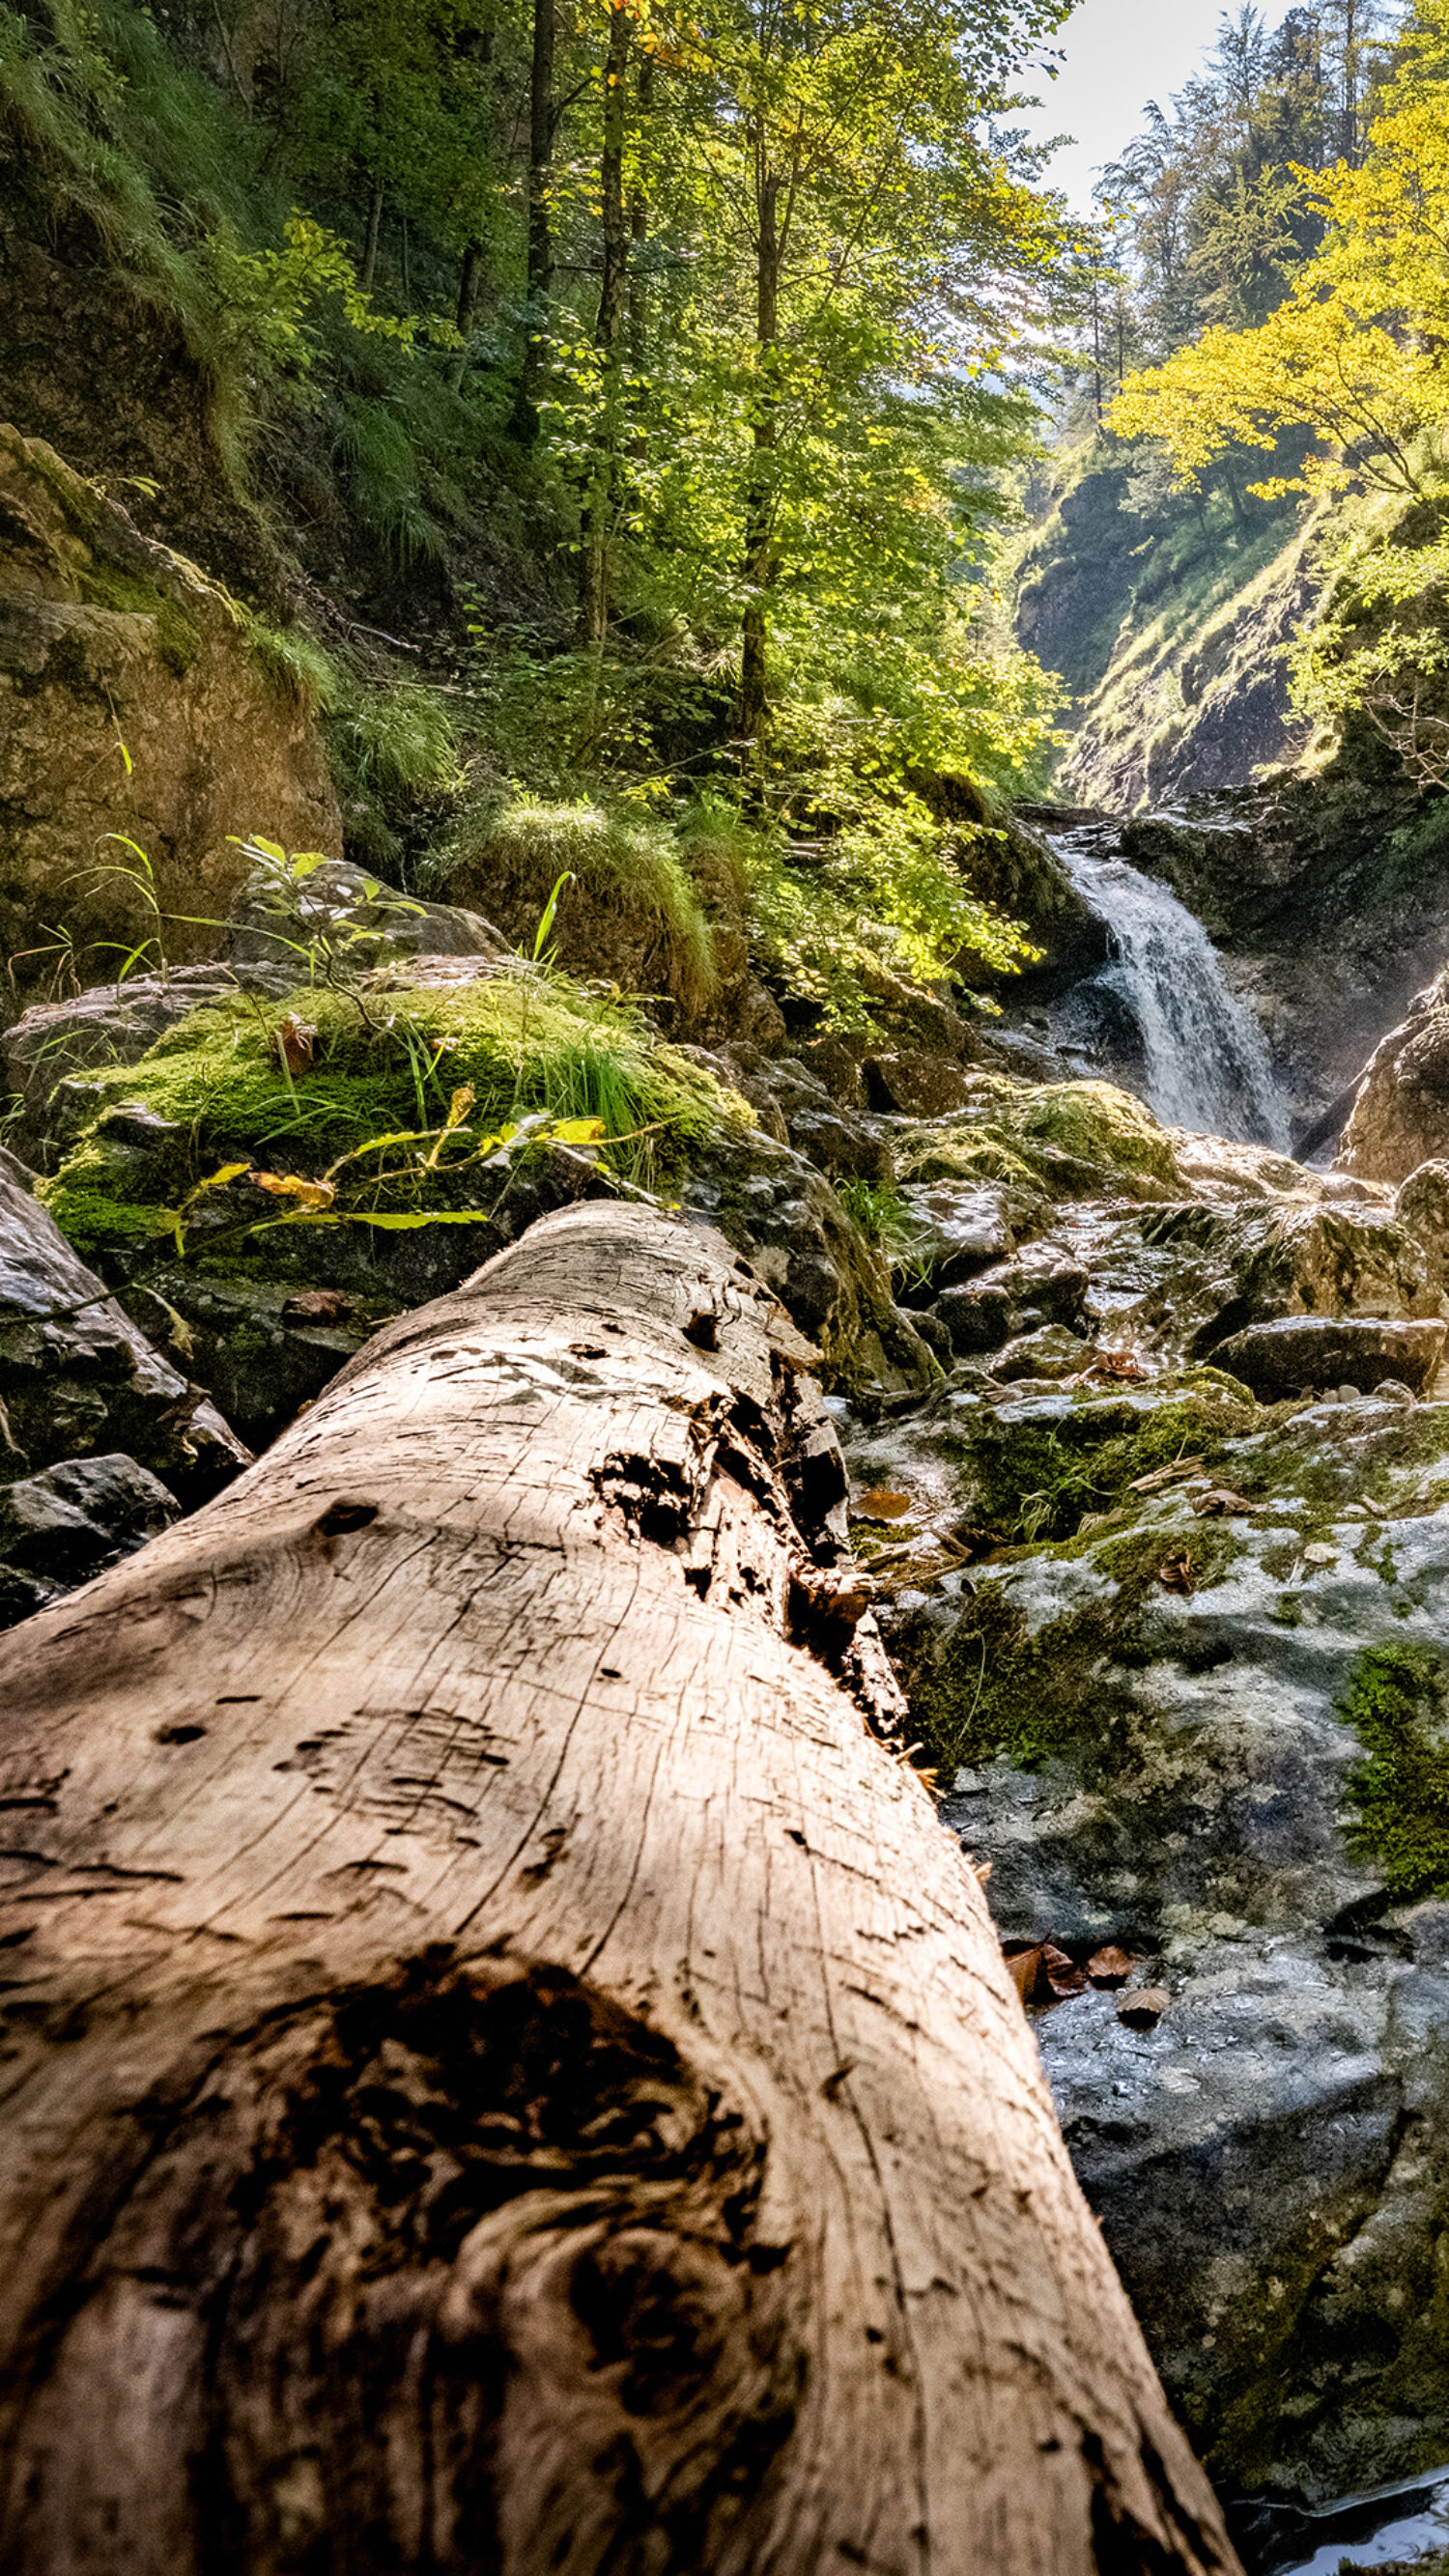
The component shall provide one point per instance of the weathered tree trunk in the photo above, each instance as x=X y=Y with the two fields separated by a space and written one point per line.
x=601 y=500
x=502 y=2070
x=541 y=122
x=761 y=559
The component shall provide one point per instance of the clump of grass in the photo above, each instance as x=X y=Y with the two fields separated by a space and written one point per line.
x=520 y=1046
x=625 y=865
x=395 y=742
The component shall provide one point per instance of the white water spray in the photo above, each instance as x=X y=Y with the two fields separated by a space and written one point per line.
x=1204 y=1062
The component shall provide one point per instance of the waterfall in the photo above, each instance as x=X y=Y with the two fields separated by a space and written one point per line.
x=1160 y=1007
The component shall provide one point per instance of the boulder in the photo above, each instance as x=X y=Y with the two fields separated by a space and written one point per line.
x=915 y=1083
x=54 y=1044
x=1041 y=1285
x=1400 y=1117
x=1422 y=1207
x=133 y=700
x=786 y=1220
x=79 y=1379
x=292 y=921
x=1309 y=1354
x=59 y=1528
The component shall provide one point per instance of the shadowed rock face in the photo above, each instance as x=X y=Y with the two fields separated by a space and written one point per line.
x=1301 y=1355
x=131 y=702
x=1400 y=1118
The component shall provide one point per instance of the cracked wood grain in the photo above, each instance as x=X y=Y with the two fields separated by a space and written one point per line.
x=501 y=2068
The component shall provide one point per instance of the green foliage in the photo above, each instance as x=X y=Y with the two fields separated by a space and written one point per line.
x=1400 y=1789
x=395 y=742
x=297 y=663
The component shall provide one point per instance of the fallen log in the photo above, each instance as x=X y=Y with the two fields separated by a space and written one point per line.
x=502 y=2068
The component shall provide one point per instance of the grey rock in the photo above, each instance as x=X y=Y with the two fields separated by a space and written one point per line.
x=340 y=901
x=1042 y=1285
x=1305 y=1354
x=786 y=1220
x=70 y=1522
x=77 y=1376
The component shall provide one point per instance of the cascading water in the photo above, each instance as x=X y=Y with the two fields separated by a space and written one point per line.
x=1194 y=1052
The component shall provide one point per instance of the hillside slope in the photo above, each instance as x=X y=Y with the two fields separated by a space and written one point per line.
x=1165 y=617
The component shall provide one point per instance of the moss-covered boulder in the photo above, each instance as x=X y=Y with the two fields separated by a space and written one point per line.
x=625 y=907
x=376 y=1142
x=1075 y=1139
x=133 y=701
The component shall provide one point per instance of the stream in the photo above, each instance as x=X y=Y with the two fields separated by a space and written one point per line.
x=1160 y=1011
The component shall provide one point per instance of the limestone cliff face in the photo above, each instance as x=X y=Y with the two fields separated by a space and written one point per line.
x=1167 y=628
x=131 y=701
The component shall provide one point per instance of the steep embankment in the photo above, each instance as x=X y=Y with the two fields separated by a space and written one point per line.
x=1165 y=617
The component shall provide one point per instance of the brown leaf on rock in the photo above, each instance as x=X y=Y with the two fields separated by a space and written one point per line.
x=1144 y=2009
x=1117 y=1364
x=1175 y=1573
x=1221 y=1501
x=1110 y=1966
x=1043 y=1974
x=881 y=1504
x=318 y=1306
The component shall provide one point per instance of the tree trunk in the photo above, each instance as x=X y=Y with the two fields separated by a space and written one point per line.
x=503 y=2071
x=540 y=217
x=601 y=500
x=761 y=565
x=374 y=228
x=468 y=276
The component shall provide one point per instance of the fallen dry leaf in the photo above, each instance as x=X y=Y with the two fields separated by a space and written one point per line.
x=880 y=1504
x=1119 y=1364
x=287 y=1185
x=1110 y=1966
x=1221 y=1501
x=1043 y=1974
x=1175 y=1573
x=318 y=1306
x=1144 y=2009
x=294 y=1043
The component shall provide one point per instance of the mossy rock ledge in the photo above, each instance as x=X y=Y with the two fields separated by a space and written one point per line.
x=1219 y=1739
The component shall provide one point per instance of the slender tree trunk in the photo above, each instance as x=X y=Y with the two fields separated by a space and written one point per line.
x=540 y=217
x=602 y=499
x=374 y=228
x=504 y=2071
x=761 y=559
x=468 y=276
x=638 y=236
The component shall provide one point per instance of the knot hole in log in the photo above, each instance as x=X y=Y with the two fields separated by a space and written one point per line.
x=459 y=2272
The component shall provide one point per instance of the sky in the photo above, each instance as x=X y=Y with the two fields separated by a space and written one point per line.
x=1119 y=54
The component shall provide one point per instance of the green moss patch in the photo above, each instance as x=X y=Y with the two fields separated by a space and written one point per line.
x=1035 y=1480
x=388 y=1072
x=1069 y=1137
x=1397 y=1706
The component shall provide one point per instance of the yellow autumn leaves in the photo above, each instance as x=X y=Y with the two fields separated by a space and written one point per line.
x=1358 y=352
